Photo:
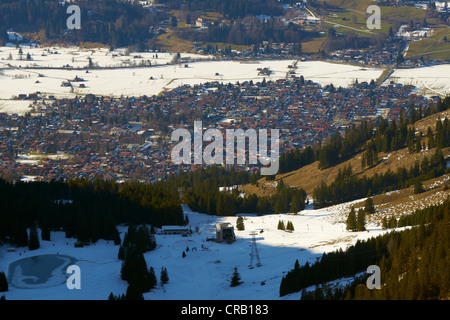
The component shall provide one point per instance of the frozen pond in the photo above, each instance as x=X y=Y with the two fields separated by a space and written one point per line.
x=40 y=271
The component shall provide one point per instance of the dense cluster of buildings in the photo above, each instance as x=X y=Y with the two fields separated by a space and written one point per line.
x=129 y=138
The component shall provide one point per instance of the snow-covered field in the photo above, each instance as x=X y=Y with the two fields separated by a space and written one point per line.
x=433 y=80
x=75 y=57
x=137 y=74
x=342 y=75
x=14 y=106
x=124 y=73
x=206 y=270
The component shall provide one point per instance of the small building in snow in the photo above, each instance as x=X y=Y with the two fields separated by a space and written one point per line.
x=174 y=230
x=225 y=232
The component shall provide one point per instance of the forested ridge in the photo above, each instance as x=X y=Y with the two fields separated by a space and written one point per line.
x=413 y=262
x=384 y=136
x=370 y=140
x=127 y=23
x=347 y=187
x=112 y=22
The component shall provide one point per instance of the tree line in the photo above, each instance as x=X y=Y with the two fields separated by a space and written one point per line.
x=113 y=22
x=348 y=187
x=413 y=263
x=200 y=190
x=331 y=152
x=134 y=270
x=336 y=264
x=86 y=210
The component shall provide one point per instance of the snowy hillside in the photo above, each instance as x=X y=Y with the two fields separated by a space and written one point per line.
x=206 y=270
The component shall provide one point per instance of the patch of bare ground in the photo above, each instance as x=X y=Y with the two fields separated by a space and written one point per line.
x=310 y=176
x=341 y=240
x=401 y=202
x=423 y=124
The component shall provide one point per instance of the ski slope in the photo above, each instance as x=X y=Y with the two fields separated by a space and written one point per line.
x=206 y=270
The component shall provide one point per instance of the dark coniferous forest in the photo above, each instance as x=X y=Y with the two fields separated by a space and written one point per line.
x=112 y=22
x=413 y=263
x=127 y=23
x=85 y=210
x=201 y=193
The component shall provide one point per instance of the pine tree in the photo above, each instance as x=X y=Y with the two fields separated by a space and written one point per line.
x=431 y=142
x=236 y=278
x=45 y=233
x=133 y=293
x=418 y=146
x=281 y=225
x=21 y=236
x=164 y=276
x=152 y=278
x=220 y=205
x=116 y=237
x=351 y=220
x=392 y=223
x=3 y=282
x=296 y=205
x=240 y=223
x=116 y=297
x=134 y=269
x=121 y=254
x=384 y=223
x=361 y=220
x=369 y=208
x=289 y=226
x=34 y=239
x=418 y=188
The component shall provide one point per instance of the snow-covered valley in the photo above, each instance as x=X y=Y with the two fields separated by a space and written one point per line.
x=205 y=272
x=120 y=73
x=29 y=70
